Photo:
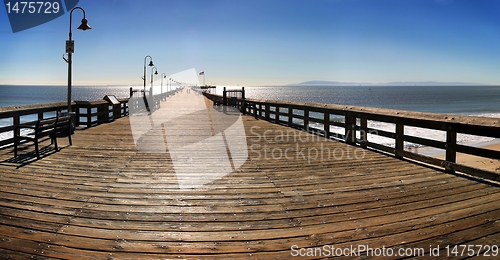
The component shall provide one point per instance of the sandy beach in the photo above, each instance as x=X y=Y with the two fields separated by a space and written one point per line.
x=478 y=162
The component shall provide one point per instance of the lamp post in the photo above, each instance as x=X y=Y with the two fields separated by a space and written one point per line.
x=70 y=48
x=152 y=79
x=164 y=76
x=144 y=77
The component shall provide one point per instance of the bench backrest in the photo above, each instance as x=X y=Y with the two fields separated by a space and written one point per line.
x=50 y=126
x=63 y=123
x=45 y=127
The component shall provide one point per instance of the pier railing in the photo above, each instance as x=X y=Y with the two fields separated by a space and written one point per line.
x=91 y=113
x=88 y=114
x=138 y=96
x=354 y=122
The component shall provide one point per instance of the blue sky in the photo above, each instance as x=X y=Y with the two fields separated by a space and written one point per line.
x=262 y=42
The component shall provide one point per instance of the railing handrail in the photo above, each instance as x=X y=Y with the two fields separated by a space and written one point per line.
x=403 y=114
x=356 y=118
x=9 y=111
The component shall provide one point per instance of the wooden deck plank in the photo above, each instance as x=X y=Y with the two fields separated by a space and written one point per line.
x=102 y=198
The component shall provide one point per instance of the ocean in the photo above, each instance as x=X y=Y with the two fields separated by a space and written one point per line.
x=465 y=100
x=483 y=100
x=13 y=95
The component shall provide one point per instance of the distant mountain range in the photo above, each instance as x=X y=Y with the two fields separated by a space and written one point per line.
x=396 y=83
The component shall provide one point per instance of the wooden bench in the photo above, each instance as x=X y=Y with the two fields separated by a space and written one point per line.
x=50 y=127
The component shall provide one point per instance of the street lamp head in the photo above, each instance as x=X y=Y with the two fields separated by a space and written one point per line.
x=151 y=63
x=84 y=26
x=156 y=72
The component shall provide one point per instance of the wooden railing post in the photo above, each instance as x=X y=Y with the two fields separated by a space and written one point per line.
x=326 y=124
x=290 y=116
x=77 y=115
x=363 y=132
x=451 y=153
x=102 y=113
x=277 y=114
x=350 y=128
x=117 y=111
x=224 y=97
x=254 y=105
x=267 y=112
x=123 y=108
x=224 y=100
x=89 y=115
x=17 y=121
x=243 y=107
x=306 y=119
x=399 y=140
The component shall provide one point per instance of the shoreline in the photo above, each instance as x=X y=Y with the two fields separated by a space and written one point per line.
x=488 y=164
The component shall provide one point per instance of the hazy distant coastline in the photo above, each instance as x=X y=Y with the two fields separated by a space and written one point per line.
x=395 y=83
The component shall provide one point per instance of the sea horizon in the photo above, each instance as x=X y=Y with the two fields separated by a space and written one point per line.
x=444 y=99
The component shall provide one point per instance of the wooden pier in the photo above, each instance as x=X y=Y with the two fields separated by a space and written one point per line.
x=296 y=193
